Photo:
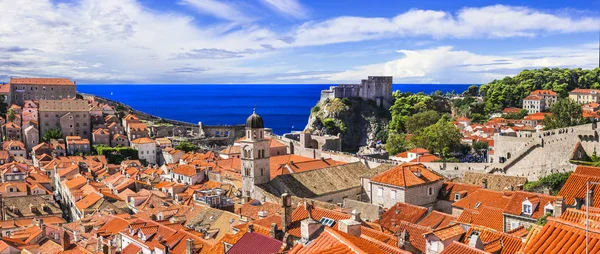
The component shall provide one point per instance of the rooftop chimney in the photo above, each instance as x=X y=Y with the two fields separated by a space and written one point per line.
x=484 y=183
x=273 y=231
x=309 y=229
x=352 y=225
x=65 y=240
x=189 y=246
x=475 y=242
x=559 y=206
x=286 y=211
x=589 y=198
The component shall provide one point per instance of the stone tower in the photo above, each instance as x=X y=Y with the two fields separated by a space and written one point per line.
x=255 y=156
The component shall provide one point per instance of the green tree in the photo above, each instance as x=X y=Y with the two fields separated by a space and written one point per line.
x=565 y=113
x=419 y=121
x=396 y=143
x=480 y=145
x=12 y=115
x=52 y=134
x=473 y=90
x=115 y=155
x=441 y=138
x=478 y=118
x=510 y=91
x=186 y=147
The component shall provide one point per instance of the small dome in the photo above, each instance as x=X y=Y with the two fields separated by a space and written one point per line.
x=255 y=121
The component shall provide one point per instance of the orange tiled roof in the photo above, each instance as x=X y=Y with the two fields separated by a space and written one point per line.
x=407 y=175
x=533 y=98
x=575 y=186
x=511 y=110
x=564 y=237
x=334 y=241
x=143 y=141
x=436 y=220
x=448 y=232
x=401 y=212
x=587 y=91
x=300 y=213
x=88 y=201
x=484 y=197
x=185 y=170
x=539 y=116
x=486 y=216
x=42 y=81
x=450 y=188
x=495 y=240
x=543 y=92
x=459 y=248
x=515 y=206
x=416 y=234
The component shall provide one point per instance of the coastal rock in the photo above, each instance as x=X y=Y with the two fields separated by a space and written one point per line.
x=360 y=123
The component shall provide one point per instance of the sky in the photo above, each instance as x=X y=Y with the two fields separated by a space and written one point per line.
x=293 y=41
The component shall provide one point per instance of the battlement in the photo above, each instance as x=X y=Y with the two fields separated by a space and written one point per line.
x=376 y=88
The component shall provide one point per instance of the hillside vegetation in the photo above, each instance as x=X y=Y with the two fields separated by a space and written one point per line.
x=510 y=91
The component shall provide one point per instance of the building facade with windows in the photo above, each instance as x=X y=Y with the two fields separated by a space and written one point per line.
x=22 y=89
x=408 y=183
x=72 y=117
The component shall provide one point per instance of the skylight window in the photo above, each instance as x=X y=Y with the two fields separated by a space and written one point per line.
x=327 y=221
x=477 y=205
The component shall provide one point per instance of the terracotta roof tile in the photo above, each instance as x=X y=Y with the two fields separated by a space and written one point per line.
x=401 y=212
x=459 y=248
x=563 y=236
x=334 y=241
x=575 y=186
x=448 y=232
x=450 y=188
x=407 y=175
x=484 y=197
x=42 y=81
x=493 y=239
x=300 y=213
x=436 y=220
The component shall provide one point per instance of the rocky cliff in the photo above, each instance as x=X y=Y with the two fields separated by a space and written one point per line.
x=361 y=123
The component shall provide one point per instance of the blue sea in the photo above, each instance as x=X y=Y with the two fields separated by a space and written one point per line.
x=285 y=108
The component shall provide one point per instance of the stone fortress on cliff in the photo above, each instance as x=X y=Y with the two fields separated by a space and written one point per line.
x=376 y=88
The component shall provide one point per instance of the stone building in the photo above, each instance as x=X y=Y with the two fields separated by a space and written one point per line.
x=255 y=157
x=76 y=145
x=15 y=148
x=146 y=149
x=22 y=89
x=584 y=96
x=101 y=137
x=116 y=128
x=549 y=97
x=408 y=183
x=534 y=104
x=31 y=137
x=119 y=140
x=70 y=116
x=376 y=88
x=12 y=131
x=137 y=130
x=525 y=208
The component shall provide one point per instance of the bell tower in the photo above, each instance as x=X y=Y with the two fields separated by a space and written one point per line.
x=255 y=156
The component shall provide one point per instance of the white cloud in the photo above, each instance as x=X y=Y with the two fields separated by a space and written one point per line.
x=447 y=65
x=287 y=7
x=496 y=21
x=217 y=8
x=123 y=41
